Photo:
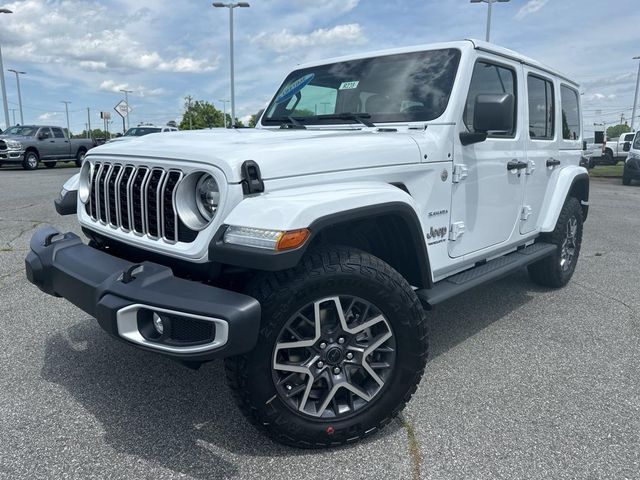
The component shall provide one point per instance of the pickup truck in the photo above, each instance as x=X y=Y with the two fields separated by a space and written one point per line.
x=29 y=145
x=613 y=150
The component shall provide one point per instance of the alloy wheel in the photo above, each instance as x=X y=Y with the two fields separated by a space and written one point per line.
x=333 y=357
x=569 y=245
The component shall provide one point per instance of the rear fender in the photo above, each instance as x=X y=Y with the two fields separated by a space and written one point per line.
x=570 y=181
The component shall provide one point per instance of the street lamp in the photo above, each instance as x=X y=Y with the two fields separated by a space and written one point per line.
x=490 y=2
x=2 y=85
x=18 y=73
x=126 y=99
x=231 y=6
x=224 y=111
x=635 y=97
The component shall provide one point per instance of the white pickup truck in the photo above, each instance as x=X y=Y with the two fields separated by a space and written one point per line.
x=616 y=149
x=307 y=251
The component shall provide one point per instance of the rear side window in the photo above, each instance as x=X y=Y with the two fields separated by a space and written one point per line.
x=490 y=78
x=58 y=132
x=570 y=113
x=541 y=112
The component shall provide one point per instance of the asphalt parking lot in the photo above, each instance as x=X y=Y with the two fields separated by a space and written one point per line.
x=522 y=382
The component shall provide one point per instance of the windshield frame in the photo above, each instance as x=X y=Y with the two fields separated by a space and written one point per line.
x=313 y=120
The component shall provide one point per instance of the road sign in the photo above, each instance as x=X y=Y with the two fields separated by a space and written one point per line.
x=105 y=115
x=123 y=109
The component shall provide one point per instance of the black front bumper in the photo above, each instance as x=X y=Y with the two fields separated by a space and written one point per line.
x=98 y=283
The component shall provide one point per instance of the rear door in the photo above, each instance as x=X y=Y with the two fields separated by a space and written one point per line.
x=485 y=206
x=542 y=144
x=62 y=144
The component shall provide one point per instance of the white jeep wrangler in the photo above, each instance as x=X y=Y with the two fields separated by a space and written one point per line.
x=306 y=251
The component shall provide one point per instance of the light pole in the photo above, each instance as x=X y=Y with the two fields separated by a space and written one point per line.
x=231 y=6
x=635 y=98
x=66 y=108
x=126 y=99
x=2 y=85
x=224 y=111
x=18 y=73
x=490 y=2
x=13 y=112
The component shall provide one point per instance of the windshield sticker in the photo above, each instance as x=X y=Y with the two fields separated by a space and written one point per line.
x=349 y=85
x=294 y=87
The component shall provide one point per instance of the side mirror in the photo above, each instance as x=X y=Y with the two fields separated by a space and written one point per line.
x=627 y=146
x=492 y=113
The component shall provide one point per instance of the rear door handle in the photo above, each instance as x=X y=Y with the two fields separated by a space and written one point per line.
x=516 y=165
x=552 y=162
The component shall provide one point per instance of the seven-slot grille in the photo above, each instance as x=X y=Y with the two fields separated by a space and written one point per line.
x=137 y=199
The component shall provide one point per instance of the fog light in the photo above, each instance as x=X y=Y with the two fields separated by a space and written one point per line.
x=158 y=323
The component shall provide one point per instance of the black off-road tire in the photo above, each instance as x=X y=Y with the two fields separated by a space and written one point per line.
x=50 y=164
x=31 y=160
x=548 y=272
x=626 y=180
x=324 y=273
x=609 y=159
x=80 y=157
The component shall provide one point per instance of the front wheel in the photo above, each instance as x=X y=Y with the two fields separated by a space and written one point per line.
x=341 y=349
x=626 y=180
x=30 y=161
x=556 y=270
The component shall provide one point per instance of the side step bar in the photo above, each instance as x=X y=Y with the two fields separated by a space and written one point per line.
x=487 y=272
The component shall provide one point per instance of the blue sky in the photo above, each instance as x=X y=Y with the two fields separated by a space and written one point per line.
x=84 y=51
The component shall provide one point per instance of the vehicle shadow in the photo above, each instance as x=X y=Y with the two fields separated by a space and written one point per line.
x=185 y=420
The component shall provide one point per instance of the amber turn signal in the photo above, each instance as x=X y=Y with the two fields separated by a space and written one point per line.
x=292 y=239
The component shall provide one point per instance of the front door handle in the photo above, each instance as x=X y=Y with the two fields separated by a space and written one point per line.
x=552 y=162
x=516 y=165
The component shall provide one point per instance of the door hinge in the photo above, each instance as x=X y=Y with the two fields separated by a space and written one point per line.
x=456 y=230
x=460 y=172
x=526 y=213
x=531 y=167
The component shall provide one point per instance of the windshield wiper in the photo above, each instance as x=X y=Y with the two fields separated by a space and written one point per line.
x=290 y=122
x=362 y=118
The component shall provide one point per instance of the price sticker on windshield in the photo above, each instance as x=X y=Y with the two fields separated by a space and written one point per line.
x=349 y=85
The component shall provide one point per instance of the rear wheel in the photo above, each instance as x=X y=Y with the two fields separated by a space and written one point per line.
x=80 y=157
x=556 y=270
x=609 y=158
x=341 y=349
x=50 y=164
x=31 y=160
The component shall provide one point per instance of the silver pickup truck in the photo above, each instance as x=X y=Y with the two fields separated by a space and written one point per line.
x=30 y=144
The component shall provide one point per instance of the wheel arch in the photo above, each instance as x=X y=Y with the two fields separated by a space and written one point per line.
x=570 y=182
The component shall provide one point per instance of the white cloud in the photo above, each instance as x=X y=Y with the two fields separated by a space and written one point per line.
x=286 y=41
x=85 y=33
x=532 y=6
x=48 y=115
x=115 y=87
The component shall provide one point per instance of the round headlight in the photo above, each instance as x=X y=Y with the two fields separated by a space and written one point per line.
x=197 y=200
x=84 y=183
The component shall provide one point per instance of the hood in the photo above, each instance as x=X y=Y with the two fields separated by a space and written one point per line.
x=279 y=153
x=14 y=137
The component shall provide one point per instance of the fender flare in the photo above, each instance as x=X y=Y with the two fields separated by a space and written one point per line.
x=569 y=181
x=396 y=202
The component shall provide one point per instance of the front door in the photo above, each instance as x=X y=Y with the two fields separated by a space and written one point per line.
x=485 y=207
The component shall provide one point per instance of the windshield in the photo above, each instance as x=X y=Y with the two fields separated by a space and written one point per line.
x=406 y=87
x=636 y=142
x=22 y=131
x=141 y=131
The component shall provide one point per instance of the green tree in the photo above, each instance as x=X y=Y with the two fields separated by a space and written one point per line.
x=201 y=114
x=95 y=133
x=617 y=130
x=253 y=121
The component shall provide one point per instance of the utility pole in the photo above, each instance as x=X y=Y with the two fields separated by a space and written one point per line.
x=2 y=85
x=635 y=98
x=89 y=122
x=13 y=111
x=231 y=7
x=66 y=108
x=189 y=98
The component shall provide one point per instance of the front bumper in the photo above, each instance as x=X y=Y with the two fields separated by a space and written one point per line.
x=11 y=156
x=126 y=298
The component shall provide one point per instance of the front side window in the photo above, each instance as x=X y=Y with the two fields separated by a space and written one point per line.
x=58 y=133
x=570 y=113
x=541 y=111
x=487 y=79
x=45 y=133
x=406 y=87
x=629 y=137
